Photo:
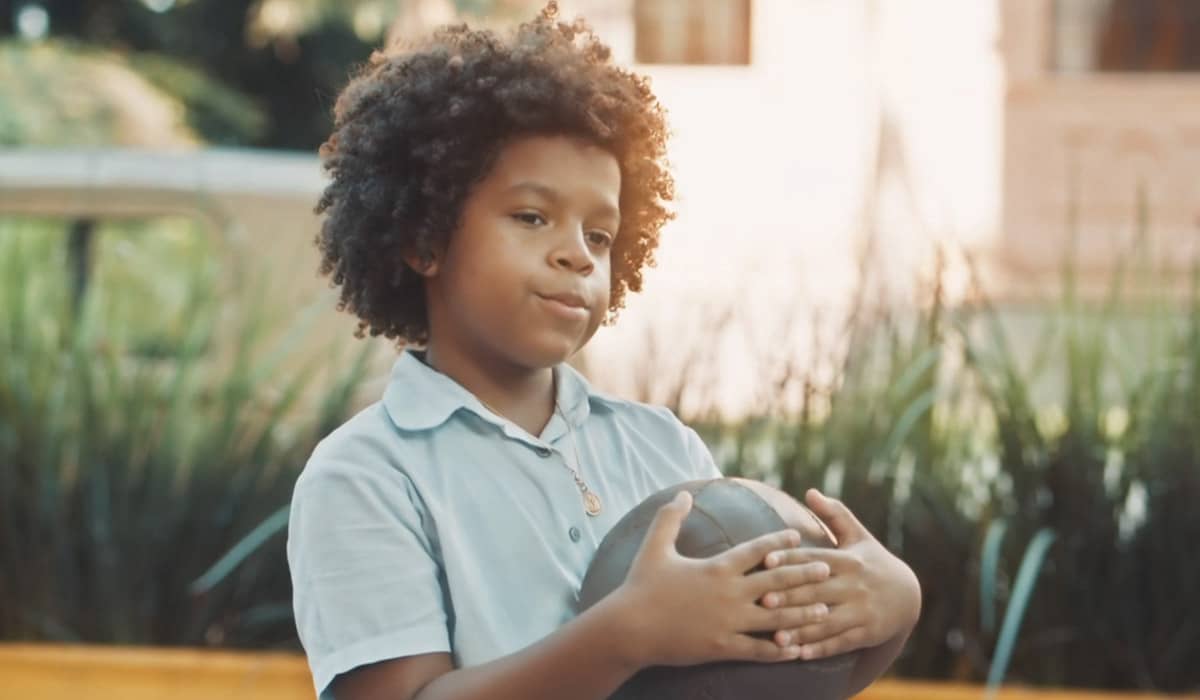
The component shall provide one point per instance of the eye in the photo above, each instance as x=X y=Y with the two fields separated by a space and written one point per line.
x=600 y=239
x=530 y=218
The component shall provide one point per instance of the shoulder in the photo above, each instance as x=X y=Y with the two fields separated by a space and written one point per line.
x=365 y=451
x=369 y=431
x=636 y=414
x=657 y=424
x=358 y=474
x=654 y=431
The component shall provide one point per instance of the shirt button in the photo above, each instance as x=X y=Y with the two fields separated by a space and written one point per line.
x=574 y=533
x=542 y=451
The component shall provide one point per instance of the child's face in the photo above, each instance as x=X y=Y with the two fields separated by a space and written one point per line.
x=525 y=280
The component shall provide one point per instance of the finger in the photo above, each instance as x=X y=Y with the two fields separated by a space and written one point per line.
x=751 y=553
x=845 y=527
x=664 y=530
x=786 y=638
x=800 y=555
x=791 y=637
x=837 y=622
x=775 y=581
x=746 y=648
x=840 y=561
x=829 y=592
x=763 y=620
x=849 y=640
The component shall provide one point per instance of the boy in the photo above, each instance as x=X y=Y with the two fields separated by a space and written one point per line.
x=492 y=201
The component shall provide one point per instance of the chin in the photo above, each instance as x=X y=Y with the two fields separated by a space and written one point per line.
x=548 y=352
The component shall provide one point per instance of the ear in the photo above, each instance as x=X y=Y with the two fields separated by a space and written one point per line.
x=424 y=265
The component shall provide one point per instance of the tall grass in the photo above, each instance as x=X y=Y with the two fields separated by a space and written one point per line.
x=1038 y=468
x=123 y=475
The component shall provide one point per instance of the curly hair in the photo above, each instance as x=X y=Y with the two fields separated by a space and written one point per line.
x=415 y=130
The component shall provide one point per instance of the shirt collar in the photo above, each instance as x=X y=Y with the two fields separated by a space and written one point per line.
x=418 y=397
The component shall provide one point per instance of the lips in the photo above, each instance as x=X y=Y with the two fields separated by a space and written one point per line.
x=570 y=299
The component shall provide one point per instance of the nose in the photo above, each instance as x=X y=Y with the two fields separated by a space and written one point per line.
x=571 y=253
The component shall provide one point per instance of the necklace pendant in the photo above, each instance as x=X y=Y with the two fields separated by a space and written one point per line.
x=591 y=503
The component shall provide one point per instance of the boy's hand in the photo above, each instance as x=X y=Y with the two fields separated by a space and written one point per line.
x=677 y=611
x=872 y=595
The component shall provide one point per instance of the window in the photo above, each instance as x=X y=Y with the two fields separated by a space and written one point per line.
x=1126 y=36
x=699 y=32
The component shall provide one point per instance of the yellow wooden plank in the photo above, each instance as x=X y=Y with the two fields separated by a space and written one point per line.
x=53 y=672
x=916 y=690
x=69 y=672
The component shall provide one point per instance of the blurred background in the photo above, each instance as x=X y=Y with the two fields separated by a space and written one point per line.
x=935 y=256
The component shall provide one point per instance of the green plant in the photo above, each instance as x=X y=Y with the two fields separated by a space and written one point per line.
x=1035 y=466
x=1115 y=603
x=122 y=476
x=64 y=93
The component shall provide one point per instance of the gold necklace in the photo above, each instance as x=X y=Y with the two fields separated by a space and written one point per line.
x=591 y=501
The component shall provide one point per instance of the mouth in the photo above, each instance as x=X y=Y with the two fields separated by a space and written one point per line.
x=566 y=305
x=568 y=299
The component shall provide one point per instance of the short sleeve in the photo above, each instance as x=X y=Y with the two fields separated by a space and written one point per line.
x=365 y=576
x=700 y=457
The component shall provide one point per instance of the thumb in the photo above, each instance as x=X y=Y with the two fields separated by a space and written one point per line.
x=664 y=530
x=837 y=517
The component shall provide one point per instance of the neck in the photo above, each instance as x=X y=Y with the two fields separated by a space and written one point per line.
x=523 y=395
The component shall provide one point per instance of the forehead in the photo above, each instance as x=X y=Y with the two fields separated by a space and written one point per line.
x=570 y=165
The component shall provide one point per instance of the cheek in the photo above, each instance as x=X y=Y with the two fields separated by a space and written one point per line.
x=606 y=271
x=603 y=298
x=601 y=282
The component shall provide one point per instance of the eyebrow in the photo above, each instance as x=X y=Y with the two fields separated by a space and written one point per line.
x=553 y=195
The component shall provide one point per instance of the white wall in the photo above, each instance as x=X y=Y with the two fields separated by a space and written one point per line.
x=771 y=162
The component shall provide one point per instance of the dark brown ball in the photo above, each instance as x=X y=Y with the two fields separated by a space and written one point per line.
x=725 y=512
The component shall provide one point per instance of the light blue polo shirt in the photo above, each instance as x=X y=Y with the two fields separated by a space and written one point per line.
x=427 y=523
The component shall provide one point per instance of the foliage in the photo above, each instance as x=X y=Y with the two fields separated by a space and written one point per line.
x=61 y=93
x=123 y=475
x=1036 y=466
x=292 y=56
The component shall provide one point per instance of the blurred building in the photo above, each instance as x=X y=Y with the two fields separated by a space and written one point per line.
x=1102 y=101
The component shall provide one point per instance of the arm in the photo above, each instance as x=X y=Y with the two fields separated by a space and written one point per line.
x=671 y=610
x=583 y=659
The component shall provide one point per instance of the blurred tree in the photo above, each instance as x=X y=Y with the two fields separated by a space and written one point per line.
x=290 y=56
x=54 y=94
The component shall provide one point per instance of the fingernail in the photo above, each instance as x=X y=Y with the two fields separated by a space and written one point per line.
x=785 y=638
x=795 y=652
x=772 y=559
x=807 y=652
x=769 y=600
